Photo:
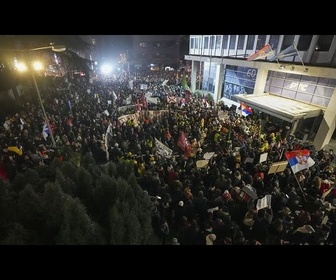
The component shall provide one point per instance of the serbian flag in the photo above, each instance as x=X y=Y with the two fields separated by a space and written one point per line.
x=299 y=159
x=262 y=53
x=246 y=110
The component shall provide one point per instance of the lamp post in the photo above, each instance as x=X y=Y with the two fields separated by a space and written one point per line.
x=29 y=62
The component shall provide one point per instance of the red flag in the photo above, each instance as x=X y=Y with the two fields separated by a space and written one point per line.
x=144 y=101
x=187 y=96
x=138 y=105
x=262 y=53
x=183 y=142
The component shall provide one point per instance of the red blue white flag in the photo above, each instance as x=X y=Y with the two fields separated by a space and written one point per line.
x=245 y=109
x=262 y=53
x=299 y=159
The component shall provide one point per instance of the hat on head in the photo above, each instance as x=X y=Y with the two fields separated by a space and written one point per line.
x=210 y=238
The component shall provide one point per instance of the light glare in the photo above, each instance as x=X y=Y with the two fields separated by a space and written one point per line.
x=106 y=69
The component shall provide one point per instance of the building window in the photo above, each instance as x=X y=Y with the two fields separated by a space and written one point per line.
x=218 y=41
x=324 y=43
x=261 y=42
x=225 y=42
x=238 y=80
x=197 y=40
x=212 y=42
x=233 y=42
x=142 y=44
x=206 y=43
x=250 y=42
x=192 y=42
x=241 y=41
x=287 y=41
x=304 y=42
x=209 y=74
x=307 y=89
x=274 y=41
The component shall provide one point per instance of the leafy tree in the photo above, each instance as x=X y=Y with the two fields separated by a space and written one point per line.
x=30 y=211
x=105 y=195
x=31 y=176
x=17 y=235
x=53 y=203
x=77 y=227
x=110 y=169
x=66 y=204
x=84 y=188
x=67 y=185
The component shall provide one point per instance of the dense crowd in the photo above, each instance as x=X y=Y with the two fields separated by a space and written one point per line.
x=206 y=184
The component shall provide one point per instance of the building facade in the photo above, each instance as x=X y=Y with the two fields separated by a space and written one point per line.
x=294 y=84
x=155 y=52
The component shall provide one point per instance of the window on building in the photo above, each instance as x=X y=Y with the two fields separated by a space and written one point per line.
x=233 y=42
x=261 y=41
x=225 y=42
x=250 y=42
x=218 y=41
x=324 y=42
x=192 y=42
x=274 y=41
x=206 y=43
x=287 y=41
x=304 y=42
x=212 y=42
x=142 y=44
x=311 y=90
x=241 y=41
x=238 y=80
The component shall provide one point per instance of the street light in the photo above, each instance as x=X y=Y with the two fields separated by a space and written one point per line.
x=55 y=49
x=29 y=62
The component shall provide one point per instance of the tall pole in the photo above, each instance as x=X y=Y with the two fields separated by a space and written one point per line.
x=40 y=99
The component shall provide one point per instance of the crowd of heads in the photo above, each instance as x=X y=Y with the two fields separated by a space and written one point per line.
x=205 y=191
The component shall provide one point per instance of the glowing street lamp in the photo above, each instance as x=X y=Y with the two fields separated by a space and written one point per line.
x=29 y=62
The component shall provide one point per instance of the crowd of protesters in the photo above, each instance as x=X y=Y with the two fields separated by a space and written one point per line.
x=210 y=204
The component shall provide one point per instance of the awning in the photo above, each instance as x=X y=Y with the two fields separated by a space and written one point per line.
x=280 y=107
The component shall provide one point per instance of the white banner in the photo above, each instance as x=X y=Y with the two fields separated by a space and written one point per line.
x=162 y=149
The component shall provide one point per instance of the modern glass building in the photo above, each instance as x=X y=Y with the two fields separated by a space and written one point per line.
x=290 y=78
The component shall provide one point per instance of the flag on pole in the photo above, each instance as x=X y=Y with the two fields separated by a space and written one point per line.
x=245 y=109
x=299 y=159
x=114 y=96
x=183 y=142
x=45 y=131
x=22 y=123
x=262 y=53
x=70 y=106
x=290 y=51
